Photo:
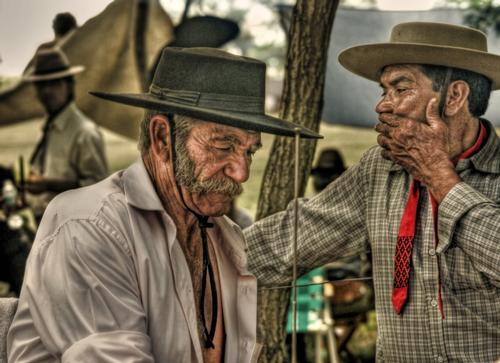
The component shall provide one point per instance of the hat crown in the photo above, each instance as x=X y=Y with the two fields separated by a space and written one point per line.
x=330 y=159
x=210 y=71
x=211 y=85
x=49 y=61
x=439 y=34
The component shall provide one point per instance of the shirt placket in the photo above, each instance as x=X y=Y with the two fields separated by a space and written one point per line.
x=430 y=273
x=184 y=291
x=247 y=312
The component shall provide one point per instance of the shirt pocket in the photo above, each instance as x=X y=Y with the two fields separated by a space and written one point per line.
x=469 y=292
x=461 y=276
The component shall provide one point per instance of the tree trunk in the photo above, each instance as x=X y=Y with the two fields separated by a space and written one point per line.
x=302 y=103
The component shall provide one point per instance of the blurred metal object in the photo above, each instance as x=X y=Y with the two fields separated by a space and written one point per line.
x=22 y=180
x=333 y=282
x=16 y=234
x=295 y=236
x=15 y=222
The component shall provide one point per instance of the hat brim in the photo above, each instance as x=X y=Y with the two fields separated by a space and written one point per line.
x=367 y=60
x=31 y=77
x=321 y=170
x=243 y=120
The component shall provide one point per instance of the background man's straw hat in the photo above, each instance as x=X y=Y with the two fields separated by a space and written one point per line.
x=50 y=64
x=212 y=85
x=425 y=43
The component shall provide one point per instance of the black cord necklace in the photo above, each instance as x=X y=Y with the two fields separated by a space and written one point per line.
x=207 y=264
x=207 y=270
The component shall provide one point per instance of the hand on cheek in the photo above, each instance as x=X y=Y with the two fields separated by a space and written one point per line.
x=421 y=147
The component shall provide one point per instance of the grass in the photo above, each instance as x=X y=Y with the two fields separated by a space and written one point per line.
x=20 y=140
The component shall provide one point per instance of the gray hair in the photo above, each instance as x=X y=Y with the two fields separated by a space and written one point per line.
x=183 y=126
x=479 y=85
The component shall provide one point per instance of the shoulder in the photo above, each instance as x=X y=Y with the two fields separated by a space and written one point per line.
x=82 y=122
x=373 y=157
x=103 y=203
x=372 y=163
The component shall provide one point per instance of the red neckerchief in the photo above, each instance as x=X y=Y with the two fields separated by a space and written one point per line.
x=406 y=235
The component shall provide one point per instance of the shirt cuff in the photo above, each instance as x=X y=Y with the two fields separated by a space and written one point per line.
x=459 y=200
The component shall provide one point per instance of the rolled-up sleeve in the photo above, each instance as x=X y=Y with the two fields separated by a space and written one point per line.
x=80 y=301
x=331 y=225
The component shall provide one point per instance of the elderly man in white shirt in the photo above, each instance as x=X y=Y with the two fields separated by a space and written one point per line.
x=144 y=266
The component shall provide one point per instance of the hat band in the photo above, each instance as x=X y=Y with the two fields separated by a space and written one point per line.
x=215 y=101
x=51 y=70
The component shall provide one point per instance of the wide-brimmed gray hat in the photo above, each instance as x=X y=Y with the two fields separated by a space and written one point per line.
x=425 y=43
x=211 y=85
x=50 y=64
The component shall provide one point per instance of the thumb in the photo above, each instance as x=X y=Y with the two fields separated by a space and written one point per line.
x=432 y=112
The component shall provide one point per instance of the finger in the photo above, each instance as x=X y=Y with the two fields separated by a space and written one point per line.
x=388 y=119
x=381 y=128
x=432 y=112
x=386 y=154
x=383 y=141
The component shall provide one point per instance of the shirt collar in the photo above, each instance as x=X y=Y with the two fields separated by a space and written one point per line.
x=232 y=243
x=140 y=193
x=62 y=118
x=139 y=189
x=487 y=158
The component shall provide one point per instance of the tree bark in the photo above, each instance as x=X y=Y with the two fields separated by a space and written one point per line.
x=302 y=103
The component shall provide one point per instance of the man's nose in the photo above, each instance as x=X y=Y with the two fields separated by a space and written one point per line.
x=238 y=169
x=384 y=106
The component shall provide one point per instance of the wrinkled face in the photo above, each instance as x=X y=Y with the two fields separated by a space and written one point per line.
x=212 y=163
x=406 y=92
x=52 y=94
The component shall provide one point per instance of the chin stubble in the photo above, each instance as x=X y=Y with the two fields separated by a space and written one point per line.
x=185 y=175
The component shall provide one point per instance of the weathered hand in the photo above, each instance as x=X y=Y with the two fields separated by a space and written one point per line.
x=422 y=147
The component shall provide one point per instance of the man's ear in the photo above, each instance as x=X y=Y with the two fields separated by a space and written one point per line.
x=456 y=98
x=159 y=134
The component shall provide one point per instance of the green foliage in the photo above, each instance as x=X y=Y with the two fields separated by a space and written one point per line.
x=481 y=14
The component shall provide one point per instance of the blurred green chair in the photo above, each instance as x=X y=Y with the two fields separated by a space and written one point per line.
x=313 y=314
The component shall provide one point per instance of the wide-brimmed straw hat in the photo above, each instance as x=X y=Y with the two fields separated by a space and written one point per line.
x=425 y=43
x=50 y=64
x=211 y=85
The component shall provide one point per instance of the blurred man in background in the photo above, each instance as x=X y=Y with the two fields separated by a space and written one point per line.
x=330 y=166
x=70 y=152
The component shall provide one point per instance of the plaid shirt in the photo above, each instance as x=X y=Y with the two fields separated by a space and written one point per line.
x=362 y=210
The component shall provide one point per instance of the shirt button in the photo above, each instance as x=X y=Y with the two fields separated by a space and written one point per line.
x=434 y=304
x=440 y=358
x=432 y=252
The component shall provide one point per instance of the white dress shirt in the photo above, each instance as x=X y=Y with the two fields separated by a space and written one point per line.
x=107 y=281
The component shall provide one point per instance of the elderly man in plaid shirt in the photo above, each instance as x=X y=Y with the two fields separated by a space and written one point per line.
x=426 y=201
